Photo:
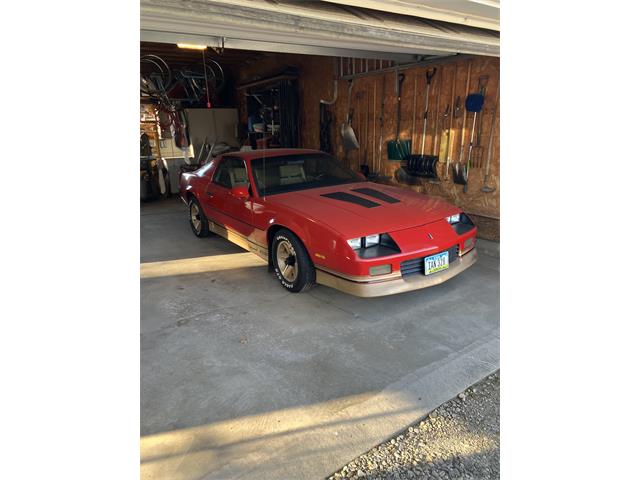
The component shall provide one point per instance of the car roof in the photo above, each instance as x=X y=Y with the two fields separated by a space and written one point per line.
x=270 y=152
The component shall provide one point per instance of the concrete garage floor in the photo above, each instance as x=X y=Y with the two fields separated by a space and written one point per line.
x=241 y=379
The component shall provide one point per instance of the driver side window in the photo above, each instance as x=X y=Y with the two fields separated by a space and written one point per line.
x=231 y=173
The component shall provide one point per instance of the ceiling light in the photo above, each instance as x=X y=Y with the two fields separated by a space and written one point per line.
x=192 y=47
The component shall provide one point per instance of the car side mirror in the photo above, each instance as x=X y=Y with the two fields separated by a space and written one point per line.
x=240 y=191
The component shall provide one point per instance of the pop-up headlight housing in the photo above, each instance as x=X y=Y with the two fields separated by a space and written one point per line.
x=372 y=246
x=461 y=223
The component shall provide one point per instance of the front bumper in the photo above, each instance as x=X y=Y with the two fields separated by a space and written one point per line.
x=397 y=284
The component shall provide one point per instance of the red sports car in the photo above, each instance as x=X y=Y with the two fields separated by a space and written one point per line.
x=315 y=221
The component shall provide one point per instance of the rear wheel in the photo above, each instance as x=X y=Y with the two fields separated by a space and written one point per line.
x=291 y=262
x=197 y=219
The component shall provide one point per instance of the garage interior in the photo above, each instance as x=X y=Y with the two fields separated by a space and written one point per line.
x=234 y=371
x=250 y=75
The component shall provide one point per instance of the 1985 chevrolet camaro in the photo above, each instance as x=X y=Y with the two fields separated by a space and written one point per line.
x=315 y=221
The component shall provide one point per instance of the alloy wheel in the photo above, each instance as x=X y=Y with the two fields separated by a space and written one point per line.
x=286 y=257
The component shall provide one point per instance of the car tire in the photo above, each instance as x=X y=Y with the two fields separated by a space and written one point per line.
x=293 y=267
x=197 y=219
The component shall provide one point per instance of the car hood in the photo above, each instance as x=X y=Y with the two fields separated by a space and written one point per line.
x=365 y=208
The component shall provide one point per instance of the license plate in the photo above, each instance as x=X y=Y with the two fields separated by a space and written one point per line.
x=436 y=263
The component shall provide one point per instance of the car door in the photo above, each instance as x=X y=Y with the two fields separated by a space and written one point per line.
x=227 y=210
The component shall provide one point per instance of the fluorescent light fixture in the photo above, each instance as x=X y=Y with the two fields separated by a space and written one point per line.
x=192 y=47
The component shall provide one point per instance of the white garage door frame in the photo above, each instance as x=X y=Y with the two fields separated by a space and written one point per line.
x=320 y=28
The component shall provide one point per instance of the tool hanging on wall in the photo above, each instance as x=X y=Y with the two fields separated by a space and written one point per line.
x=381 y=125
x=364 y=166
x=349 y=140
x=457 y=111
x=358 y=128
x=434 y=148
x=373 y=125
x=458 y=167
x=326 y=118
x=413 y=111
x=474 y=104
x=364 y=162
x=398 y=149
x=424 y=165
x=478 y=149
x=487 y=168
x=450 y=132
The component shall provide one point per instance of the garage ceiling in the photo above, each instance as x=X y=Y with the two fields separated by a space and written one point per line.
x=474 y=13
x=318 y=27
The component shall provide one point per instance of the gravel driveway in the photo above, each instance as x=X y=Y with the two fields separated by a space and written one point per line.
x=458 y=440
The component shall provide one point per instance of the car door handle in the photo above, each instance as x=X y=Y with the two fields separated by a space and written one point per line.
x=209 y=194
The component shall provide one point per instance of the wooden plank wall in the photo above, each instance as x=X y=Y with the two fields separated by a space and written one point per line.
x=316 y=82
x=411 y=124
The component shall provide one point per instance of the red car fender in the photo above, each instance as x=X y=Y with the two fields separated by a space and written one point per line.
x=324 y=245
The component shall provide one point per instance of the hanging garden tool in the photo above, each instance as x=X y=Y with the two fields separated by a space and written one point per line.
x=424 y=165
x=474 y=104
x=451 y=113
x=458 y=167
x=433 y=169
x=381 y=124
x=398 y=149
x=349 y=140
x=326 y=118
x=487 y=168
x=413 y=110
x=457 y=111
x=364 y=163
x=358 y=122
x=478 y=149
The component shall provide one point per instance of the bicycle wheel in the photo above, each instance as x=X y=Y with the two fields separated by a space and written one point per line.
x=155 y=75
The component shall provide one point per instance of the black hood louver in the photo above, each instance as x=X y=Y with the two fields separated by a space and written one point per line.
x=347 y=197
x=377 y=194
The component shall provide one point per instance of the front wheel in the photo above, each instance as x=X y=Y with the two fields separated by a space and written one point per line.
x=291 y=262
x=197 y=219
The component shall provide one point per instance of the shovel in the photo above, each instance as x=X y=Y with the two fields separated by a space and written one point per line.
x=458 y=167
x=398 y=149
x=485 y=188
x=478 y=150
x=424 y=165
x=473 y=103
x=349 y=140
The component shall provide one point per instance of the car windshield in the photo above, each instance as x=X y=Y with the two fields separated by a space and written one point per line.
x=298 y=172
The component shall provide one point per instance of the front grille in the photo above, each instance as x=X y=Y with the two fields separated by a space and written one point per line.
x=416 y=265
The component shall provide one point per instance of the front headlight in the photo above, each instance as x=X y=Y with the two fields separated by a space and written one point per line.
x=453 y=218
x=374 y=246
x=370 y=240
x=364 y=242
x=355 y=243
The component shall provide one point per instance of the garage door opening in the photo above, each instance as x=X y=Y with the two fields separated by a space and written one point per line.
x=198 y=102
